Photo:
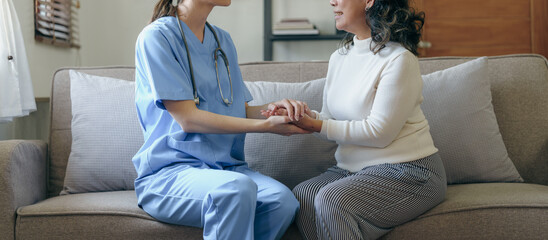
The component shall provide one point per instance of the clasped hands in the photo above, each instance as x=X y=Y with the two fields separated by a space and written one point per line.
x=290 y=117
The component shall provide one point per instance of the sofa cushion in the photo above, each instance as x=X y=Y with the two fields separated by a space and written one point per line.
x=100 y=160
x=293 y=159
x=457 y=104
x=98 y=156
x=483 y=211
x=101 y=215
x=470 y=211
x=105 y=135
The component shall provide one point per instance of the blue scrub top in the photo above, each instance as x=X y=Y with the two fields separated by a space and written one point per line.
x=162 y=73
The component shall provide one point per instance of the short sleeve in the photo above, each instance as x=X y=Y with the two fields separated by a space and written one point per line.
x=247 y=94
x=158 y=64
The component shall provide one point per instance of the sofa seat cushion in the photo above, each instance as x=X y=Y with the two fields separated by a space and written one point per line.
x=483 y=211
x=101 y=215
x=470 y=211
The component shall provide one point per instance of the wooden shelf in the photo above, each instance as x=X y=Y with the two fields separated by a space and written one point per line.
x=305 y=37
x=269 y=38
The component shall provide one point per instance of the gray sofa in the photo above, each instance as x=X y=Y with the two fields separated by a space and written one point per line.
x=32 y=172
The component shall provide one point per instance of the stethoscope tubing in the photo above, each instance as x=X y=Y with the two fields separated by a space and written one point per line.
x=223 y=55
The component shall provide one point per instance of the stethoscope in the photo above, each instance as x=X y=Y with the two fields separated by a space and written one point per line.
x=218 y=52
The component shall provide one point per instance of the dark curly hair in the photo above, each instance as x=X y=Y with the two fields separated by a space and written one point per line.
x=391 y=20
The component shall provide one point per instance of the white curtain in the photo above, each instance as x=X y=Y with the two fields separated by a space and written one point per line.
x=16 y=94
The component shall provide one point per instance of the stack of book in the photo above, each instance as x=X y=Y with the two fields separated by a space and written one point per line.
x=294 y=26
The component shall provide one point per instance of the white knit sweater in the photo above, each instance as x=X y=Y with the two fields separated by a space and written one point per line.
x=371 y=107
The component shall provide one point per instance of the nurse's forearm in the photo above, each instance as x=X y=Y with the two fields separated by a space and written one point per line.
x=206 y=122
x=194 y=120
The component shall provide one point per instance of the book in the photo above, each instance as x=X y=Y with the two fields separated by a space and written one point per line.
x=295 y=31
x=293 y=25
x=289 y=20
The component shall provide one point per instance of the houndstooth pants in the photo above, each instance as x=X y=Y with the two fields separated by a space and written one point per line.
x=367 y=204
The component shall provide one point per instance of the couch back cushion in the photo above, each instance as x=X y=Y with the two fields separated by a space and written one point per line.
x=294 y=159
x=518 y=83
x=458 y=106
x=105 y=134
x=61 y=118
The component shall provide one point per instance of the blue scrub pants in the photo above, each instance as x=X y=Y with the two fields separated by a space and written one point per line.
x=235 y=203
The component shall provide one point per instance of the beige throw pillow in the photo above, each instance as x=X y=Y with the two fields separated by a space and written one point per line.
x=105 y=134
x=457 y=105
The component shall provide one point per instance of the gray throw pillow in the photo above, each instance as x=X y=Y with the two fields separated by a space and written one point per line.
x=293 y=159
x=105 y=134
x=457 y=105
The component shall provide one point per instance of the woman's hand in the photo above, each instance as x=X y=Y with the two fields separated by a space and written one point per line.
x=309 y=124
x=282 y=125
x=294 y=109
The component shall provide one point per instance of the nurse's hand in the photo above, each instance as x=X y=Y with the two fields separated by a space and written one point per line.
x=294 y=109
x=282 y=125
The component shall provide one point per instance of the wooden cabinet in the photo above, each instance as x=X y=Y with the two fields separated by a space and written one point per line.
x=484 y=28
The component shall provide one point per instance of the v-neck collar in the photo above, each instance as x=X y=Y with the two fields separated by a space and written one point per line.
x=192 y=39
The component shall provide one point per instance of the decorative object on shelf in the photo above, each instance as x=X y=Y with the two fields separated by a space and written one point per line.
x=294 y=26
x=16 y=92
x=270 y=38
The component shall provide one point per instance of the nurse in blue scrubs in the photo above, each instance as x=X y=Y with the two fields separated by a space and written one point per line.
x=191 y=168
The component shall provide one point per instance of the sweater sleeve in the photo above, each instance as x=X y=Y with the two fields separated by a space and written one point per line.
x=324 y=114
x=398 y=93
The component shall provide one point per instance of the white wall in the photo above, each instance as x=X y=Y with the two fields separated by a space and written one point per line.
x=318 y=12
x=43 y=59
x=108 y=29
x=244 y=20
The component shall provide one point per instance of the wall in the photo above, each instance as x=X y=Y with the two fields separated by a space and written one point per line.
x=108 y=33
x=34 y=126
x=120 y=23
x=319 y=13
x=43 y=59
x=108 y=30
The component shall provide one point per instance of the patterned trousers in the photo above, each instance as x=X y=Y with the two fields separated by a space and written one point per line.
x=367 y=204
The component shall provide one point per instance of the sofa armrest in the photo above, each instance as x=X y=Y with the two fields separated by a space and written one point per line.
x=22 y=179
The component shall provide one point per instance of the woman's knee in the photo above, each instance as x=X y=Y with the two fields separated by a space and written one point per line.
x=298 y=191
x=304 y=191
x=331 y=198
